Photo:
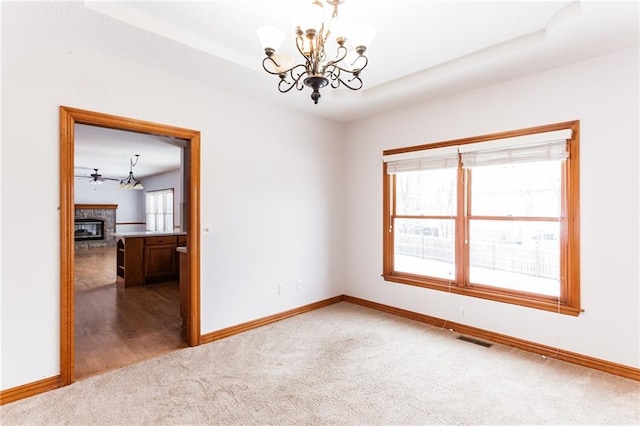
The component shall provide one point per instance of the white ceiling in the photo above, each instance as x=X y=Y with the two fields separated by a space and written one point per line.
x=109 y=151
x=422 y=50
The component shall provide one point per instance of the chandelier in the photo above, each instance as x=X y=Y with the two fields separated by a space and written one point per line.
x=131 y=182
x=313 y=37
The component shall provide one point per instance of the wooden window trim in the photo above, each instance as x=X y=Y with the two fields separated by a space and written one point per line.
x=569 y=301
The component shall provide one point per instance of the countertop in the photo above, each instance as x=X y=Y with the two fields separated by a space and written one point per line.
x=146 y=234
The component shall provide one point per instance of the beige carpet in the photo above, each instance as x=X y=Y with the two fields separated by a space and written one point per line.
x=344 y=365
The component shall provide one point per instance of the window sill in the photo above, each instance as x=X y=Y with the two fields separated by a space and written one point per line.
x=512 y=298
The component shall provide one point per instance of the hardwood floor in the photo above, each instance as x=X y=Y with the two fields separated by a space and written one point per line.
x=94 y=268
x=116 y=326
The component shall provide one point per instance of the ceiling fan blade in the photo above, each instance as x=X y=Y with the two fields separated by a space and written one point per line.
x=97 y=177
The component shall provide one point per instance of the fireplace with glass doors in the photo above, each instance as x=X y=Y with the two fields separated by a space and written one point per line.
x=89 y=229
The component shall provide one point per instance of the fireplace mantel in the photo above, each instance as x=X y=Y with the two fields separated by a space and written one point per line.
x=96 y=206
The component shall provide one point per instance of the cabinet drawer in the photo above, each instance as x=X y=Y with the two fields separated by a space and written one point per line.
x=182 y=240
x=155 y=241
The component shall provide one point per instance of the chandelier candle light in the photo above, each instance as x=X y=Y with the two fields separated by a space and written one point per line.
x=313 y=36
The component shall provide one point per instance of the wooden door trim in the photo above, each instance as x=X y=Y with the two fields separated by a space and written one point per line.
x=68 y=118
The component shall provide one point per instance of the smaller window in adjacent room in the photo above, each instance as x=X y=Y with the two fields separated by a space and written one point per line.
x=159 y=210
x=493 y=216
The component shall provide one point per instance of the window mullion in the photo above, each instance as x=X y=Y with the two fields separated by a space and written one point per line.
x=392 y=224
x=388 y=213
x=564 y=238
x=462 y=249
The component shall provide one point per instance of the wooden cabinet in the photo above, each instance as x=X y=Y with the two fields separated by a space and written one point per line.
x=147 y=259
x=185 y=285
x=160 y=259
x=129 y=262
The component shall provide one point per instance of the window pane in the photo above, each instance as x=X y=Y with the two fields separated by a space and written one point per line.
x=524 y=189
x=425 y=247
x=168 y=222
x=427 y=192
x=515 y=255
x=151 y=222
x=160 y=203
x=169 y=198
x=151 y=203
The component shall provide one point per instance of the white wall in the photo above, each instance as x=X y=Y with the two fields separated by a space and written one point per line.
x=167 y=180
x=274 y=198
x=603 y=94
x=130 y=203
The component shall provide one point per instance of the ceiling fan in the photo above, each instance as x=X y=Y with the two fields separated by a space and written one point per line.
x=97 y=178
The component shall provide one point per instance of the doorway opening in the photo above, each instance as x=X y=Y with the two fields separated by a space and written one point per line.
x=190 y=303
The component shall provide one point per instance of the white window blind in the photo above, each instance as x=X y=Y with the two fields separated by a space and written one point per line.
x=544 y=146
x=437 y=158
x=556 y=150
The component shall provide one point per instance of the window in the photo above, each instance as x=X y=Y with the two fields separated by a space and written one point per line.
x=160 y=210
x=494 y=216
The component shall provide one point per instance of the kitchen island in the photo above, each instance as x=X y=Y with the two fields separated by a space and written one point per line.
x=185 y=284
x=147 y=257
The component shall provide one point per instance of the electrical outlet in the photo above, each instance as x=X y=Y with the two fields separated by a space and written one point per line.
x=299 y=285
x=280 y=288
x=207 y=229
x=463 y=312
